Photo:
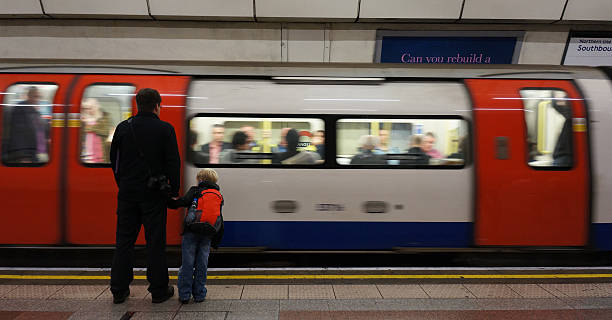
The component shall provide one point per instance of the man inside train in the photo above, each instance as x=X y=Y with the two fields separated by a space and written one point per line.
x=562 y=154
x=146 y=166
x=367 y=155
x=239 y=145
x=214 y=148
x=27 y=137
x=429 y=140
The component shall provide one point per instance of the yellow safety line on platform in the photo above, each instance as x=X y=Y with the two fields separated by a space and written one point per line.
x=335 y=276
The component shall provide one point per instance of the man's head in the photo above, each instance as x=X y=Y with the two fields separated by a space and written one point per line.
x=318 y=137
x=239 y=141
x=383 y=135
x=148 y=100
x=33 y=95
x=209 y=175
x=368 y=142
x=250 y=132
x=428 y=141
x=283 y=133
x=416 y=141
x=218 y=132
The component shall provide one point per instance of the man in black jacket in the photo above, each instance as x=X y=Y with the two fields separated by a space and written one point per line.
x=138 y=204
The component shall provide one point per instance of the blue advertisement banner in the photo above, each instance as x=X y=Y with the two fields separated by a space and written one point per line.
x=453 y=50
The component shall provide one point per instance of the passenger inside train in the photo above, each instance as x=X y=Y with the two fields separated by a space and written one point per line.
x=401 y=141
x=101 y=110
x=291 y=141
x=26 y=123
x=288 y=141
x=548 y=116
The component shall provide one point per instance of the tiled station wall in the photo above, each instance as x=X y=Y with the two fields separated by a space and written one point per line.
x=49 y=39
x=275 y=30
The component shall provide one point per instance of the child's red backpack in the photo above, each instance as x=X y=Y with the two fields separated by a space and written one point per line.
x=204 y=216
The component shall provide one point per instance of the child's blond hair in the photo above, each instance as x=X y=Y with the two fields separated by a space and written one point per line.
x=208 y=174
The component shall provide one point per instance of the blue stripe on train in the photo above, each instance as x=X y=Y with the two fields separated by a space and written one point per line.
x=602 y=236
x=346 y=235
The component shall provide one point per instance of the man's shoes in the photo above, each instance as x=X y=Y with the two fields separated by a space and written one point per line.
x=184 y=301
x=198 y=300
x=167 y=295
x=120 y=298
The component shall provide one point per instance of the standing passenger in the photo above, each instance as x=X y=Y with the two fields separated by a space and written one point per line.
x=143 y=147
x=215 y=147
x=27 y=142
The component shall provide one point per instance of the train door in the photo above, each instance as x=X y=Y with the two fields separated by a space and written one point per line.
x=98 y=104
x=31 y=141
x=532 y=163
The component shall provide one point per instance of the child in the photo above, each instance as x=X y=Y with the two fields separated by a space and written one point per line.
x=196 y=246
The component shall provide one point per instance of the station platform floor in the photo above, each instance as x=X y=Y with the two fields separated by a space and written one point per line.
x=321 y=294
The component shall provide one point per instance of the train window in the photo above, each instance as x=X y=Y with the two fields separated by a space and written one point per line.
x=103 y=106
x=26 y=115
x=414 y=142
x=548 y=116
x=256 y=141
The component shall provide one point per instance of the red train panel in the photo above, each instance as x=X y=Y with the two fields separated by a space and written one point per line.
x=92 y=192
x=30 y=195
x=518 y=205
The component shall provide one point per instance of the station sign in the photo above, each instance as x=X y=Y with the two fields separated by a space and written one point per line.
x=588 y=51
x=448 y=47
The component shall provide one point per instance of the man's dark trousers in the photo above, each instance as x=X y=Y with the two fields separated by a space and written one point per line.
x=130 y=216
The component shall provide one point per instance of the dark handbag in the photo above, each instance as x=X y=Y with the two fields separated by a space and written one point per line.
x=157 y=183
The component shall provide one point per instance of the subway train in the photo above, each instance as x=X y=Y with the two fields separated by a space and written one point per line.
x=381 y=157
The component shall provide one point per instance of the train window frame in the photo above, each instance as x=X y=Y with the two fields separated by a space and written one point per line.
x=256 y=116
x=467 y=162
x=50 y=137
x=330 y=125
x=526 y=133
x=80 y=131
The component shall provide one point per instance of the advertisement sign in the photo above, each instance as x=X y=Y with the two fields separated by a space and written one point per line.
x=589 y=51
x=448 y=47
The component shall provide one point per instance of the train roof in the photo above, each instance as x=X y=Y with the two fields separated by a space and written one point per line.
x=292 y=69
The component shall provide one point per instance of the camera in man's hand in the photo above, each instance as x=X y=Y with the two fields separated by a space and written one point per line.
x=160 y=184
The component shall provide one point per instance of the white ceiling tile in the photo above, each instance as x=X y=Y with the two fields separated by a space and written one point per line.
x=410 y=9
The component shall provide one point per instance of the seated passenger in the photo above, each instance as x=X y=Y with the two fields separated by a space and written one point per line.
x=416 y=154
x=318 y=140
x=250 y=132
x=293 y=155
x=195 y=155
x=282 y=146
x=240 y=144
x=460 y=154
x=428 y=146
x=367 y=156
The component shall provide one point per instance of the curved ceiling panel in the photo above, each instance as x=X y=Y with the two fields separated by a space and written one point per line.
x=115 y=9
x=373 y=10
x=306 y=10
x=540 y=10
x=21 y=9
x=219 y=10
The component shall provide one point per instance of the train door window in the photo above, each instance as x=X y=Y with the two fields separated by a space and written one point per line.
x=103 y=106
x=414 y=142
x=256 y=141
x=548 y=118
x=26 y=117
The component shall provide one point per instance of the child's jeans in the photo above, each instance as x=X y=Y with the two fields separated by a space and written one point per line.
x=195 y=250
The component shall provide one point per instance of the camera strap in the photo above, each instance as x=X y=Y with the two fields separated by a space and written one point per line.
x=140 y=152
